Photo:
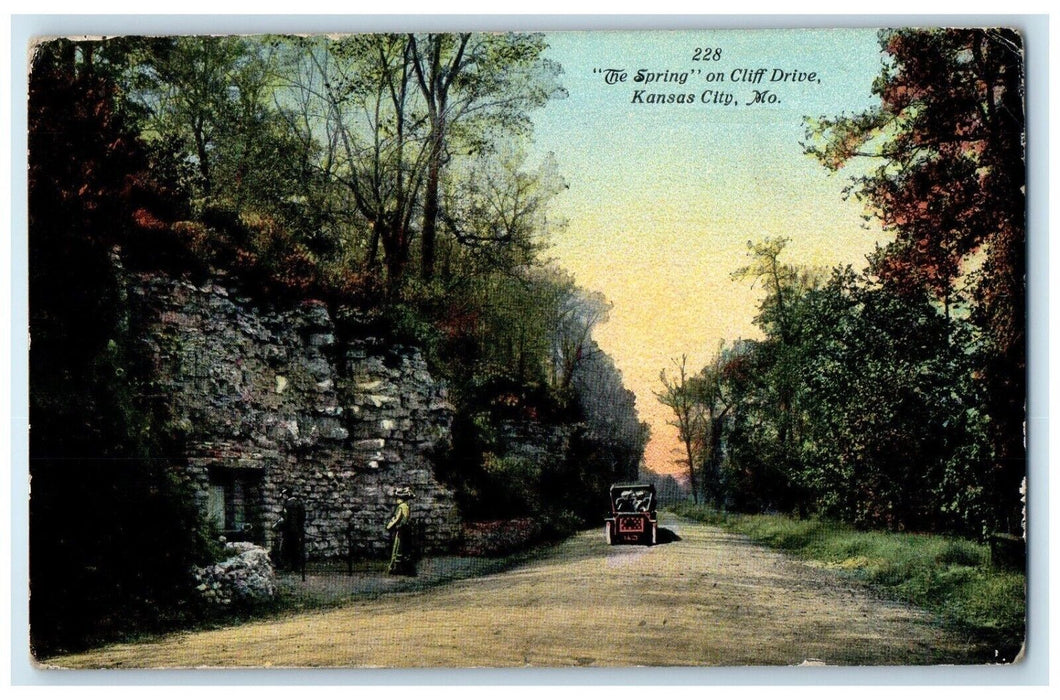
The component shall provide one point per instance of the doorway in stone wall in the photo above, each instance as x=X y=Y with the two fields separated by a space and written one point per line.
x=234 y=503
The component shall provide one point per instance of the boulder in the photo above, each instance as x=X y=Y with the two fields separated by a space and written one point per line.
x=244 y=576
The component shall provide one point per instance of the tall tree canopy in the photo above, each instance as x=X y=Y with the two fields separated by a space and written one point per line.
x=475 y=87
x=856 y=403
x=392 y=111
x=949 y=139
x=680 y=395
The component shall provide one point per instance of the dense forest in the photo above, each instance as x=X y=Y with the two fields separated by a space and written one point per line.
x=891 y=397
x=382 y=173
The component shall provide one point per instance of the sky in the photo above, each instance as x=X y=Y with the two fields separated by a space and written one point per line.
x=663 y=198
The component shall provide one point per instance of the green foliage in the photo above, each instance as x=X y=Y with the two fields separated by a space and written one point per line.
x=525 y=450
x=493 y=483
x=609 y=412
x=946 y=144
x=951 y=577
x=892 y=399
x=212 y=95
x=113 y=533
x=859 y=404
x=887 y=388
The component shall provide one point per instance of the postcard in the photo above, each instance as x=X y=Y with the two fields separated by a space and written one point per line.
x=687 y=348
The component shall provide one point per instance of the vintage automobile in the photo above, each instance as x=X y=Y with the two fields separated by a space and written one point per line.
x=633 y=517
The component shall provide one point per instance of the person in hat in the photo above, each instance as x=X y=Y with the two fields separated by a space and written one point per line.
x=399 y=527
x=291 y=527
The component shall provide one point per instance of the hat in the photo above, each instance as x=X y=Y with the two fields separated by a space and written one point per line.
x=404 y=492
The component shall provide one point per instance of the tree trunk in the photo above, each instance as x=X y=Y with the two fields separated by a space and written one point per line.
x=373 y=247
x=430 y=209
x=204 y=157
x=692 y=471
x=395 y=257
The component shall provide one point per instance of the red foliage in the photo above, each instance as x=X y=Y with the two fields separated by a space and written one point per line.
x=88 y=173
x=91 y=184
x=956 y=98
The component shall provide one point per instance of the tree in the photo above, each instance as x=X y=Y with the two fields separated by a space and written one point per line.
x=679 y=394
x=385 y=156
x=610 y=413
x=758 y=471
x=476 y=87
x=351 y=106
x=496 y=208
x=391 y=111
x=576 y=313
x=893 y=433
x=780 y=282
x=948 y=135
x=205 y=90
x=438 y=66
x=717 y=400
x=778 y=316
x=858 y=403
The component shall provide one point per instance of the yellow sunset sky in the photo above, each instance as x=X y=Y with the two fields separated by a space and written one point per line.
x=663 y=198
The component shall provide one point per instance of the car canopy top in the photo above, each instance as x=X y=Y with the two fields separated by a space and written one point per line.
x=633 y=498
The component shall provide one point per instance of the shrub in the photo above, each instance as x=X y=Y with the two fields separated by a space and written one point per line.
x=963 y=553
x=499 y=537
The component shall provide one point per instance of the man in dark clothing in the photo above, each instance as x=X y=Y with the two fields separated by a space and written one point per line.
x=291 y=527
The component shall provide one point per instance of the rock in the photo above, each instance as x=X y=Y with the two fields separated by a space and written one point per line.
x=376 y=400
x=245 y=576
x=318 y=368
x=318 y=340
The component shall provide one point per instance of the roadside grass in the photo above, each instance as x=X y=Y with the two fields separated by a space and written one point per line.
x=950 y=577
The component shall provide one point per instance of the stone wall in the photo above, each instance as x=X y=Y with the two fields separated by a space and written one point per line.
x=271 y=398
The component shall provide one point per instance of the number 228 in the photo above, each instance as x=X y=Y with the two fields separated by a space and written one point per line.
x=706 y=54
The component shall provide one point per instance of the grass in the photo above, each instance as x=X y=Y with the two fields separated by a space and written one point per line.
x=948 y=576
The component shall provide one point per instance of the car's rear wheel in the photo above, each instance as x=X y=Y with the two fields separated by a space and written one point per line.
x=654 y=534
x=609 y=528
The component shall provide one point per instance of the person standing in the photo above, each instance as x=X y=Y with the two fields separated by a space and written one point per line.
x=399 y=526
x=292 y=533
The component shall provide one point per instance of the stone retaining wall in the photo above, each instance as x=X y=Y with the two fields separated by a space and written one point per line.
x=271 y=398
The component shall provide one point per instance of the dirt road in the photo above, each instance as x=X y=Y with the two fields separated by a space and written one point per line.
x=708 y=598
